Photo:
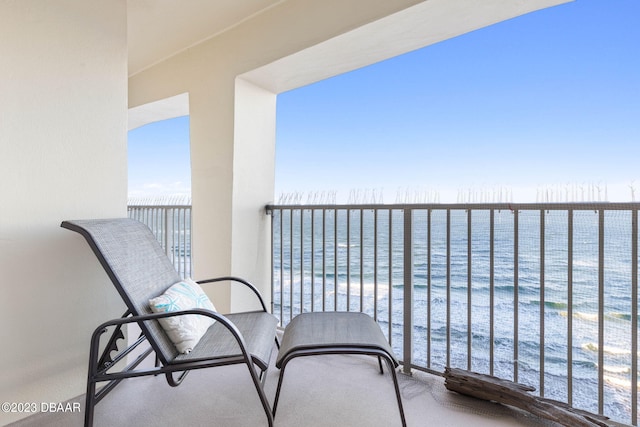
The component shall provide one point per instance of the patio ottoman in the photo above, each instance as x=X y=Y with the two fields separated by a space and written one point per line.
x=313 y=334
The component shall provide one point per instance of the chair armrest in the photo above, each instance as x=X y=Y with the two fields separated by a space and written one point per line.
x=238 y=280
x=155 y=316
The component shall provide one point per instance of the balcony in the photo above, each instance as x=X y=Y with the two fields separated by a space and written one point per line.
x=543 y=294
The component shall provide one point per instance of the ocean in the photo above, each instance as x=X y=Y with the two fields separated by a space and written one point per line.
x=552 y=312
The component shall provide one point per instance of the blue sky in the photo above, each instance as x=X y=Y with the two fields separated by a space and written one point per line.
x=159 y=163
x=549 y=100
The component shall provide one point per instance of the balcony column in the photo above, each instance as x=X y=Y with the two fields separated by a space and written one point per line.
x=211 y=136
x=253 y=187
x=232 y=162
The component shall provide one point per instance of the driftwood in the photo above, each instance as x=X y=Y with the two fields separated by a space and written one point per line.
x=510 y=393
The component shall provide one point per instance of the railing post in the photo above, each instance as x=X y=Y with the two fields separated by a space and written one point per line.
x=408 y=291
x=634 y=317
x=271 y=213
x=570 y=307
x=168 y=245
x=601 y=311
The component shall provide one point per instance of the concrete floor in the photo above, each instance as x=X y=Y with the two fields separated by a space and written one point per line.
x=332 y=390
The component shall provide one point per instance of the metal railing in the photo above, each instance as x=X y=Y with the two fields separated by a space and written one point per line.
x=171 y=224
x=545 y=294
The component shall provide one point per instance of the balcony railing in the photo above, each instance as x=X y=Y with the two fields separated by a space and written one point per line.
x=544 y=294
x=171 y=224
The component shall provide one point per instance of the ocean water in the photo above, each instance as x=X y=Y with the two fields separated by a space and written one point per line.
x=476 y=312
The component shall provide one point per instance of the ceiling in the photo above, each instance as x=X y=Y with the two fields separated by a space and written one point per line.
x=158 y=29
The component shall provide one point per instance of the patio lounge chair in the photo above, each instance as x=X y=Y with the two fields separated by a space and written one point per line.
x=140 y=270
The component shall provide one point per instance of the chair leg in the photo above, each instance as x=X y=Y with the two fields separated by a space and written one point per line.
x=175 y=382
x=263 y=398
x=90 y=398
x=89 y=403
x=380 y=365
x=275 y=401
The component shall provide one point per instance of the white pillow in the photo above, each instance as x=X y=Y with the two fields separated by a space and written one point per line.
x=184 y=331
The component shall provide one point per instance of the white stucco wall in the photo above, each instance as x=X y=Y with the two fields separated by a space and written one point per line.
x=63 y=95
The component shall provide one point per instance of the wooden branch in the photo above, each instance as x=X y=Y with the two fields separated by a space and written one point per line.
x=507 y=392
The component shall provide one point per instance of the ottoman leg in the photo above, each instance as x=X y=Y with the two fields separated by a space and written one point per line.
x=280 y=378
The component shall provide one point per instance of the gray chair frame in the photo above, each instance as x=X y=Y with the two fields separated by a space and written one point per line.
x=139 y=269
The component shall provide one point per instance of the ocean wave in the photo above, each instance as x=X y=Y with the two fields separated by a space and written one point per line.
x=614 y=351
x=617 y=369
x=355 y=287
x=585 y=364
x=551 y=304
x=621 y=316
x=594 y=317
x=590 y=263
x=621 y=383
x=345 y=246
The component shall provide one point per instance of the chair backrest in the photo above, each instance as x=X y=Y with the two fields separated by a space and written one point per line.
x=138 y=267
